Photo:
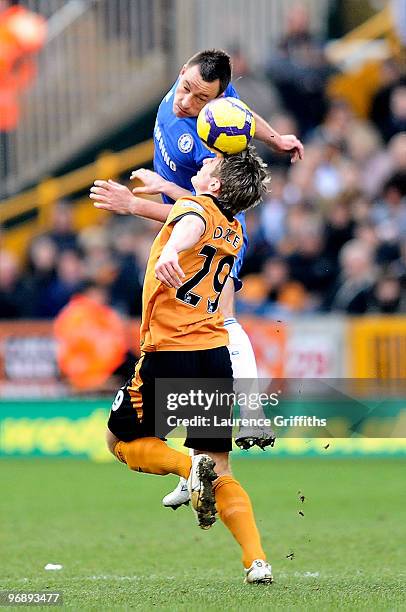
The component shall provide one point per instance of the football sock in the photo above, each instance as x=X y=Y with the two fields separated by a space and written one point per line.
x=153 y=456
x=235 y=510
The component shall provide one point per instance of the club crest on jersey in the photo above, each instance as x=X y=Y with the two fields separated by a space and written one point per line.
x=190 y=204
x=185 y=143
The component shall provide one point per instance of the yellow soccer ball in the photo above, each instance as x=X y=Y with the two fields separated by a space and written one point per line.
x=226 y=125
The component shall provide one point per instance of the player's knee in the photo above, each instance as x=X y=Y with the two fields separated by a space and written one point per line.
x=111 y=441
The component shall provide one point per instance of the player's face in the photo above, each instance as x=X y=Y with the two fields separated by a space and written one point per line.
x=204 y=181
x=192 y=92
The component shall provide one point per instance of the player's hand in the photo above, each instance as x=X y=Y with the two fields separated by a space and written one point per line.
x=151 y=182
x=168 y=270
x=288 y=143
x=112 y=196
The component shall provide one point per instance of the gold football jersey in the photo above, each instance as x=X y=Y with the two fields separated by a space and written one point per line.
x=188 y=318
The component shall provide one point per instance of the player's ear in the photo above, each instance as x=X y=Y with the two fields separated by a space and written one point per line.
x=214 y=184
x=183 y=70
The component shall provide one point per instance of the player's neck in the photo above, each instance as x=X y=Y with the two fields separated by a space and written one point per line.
x=227 y=213
x=207 y=192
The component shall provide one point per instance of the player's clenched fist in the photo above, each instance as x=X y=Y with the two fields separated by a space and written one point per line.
x=110 y=195
x=168 y=270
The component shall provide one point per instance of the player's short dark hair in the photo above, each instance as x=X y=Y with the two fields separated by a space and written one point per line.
x=243 y=180
x=213 y=64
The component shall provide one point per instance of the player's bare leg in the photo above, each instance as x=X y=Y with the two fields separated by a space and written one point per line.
x=235 y=510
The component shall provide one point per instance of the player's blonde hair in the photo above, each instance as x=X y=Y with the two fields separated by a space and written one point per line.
x=243 y=179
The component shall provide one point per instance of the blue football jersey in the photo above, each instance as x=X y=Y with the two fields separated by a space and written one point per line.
x=179 y=154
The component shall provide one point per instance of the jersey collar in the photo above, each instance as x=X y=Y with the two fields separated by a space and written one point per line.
x=227 y=213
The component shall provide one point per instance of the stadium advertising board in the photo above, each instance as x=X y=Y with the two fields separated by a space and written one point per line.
x=29 y=365
x=41 y=415
x=76 y=428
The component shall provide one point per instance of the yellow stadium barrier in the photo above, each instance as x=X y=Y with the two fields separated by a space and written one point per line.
x=377 y=347
x=36 y=204
x=358 y=85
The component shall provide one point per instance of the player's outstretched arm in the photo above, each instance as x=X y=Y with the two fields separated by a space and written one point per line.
x=152 y=184
x=117 y=198
x=280 y=143
x=184 y=236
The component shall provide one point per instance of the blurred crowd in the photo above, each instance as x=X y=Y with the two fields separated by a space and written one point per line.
x=329 y=237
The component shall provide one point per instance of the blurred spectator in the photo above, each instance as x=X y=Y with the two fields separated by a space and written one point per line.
x=397 y=152
x=339 y=229
x=391 y=77
x=328 y=174
x=281 y=291
x=274 y=209
x=98 y=257
x=363 y=146
x=352 y=291
x=69 y=278
x=389 y=213
x=334 y=125
x=360 y=208
x=62 y=231
x=308 y=263
x=259 y=248
x=399 y=18
x=126 y=289
x=15 y=296
x=366 y=233
x=91 y=338
x=396 y=120
x=388 y=244
x=387 y=296
x=387 y=162
x=398 y=267
x=22 y=35
x=299 y=70
x=42 y=262
x=272 y=293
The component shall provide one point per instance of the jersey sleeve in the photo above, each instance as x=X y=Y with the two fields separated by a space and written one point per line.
x=184 y=207
x=230 y=92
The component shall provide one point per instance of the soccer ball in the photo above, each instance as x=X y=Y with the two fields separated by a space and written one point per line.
x=226 y=125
